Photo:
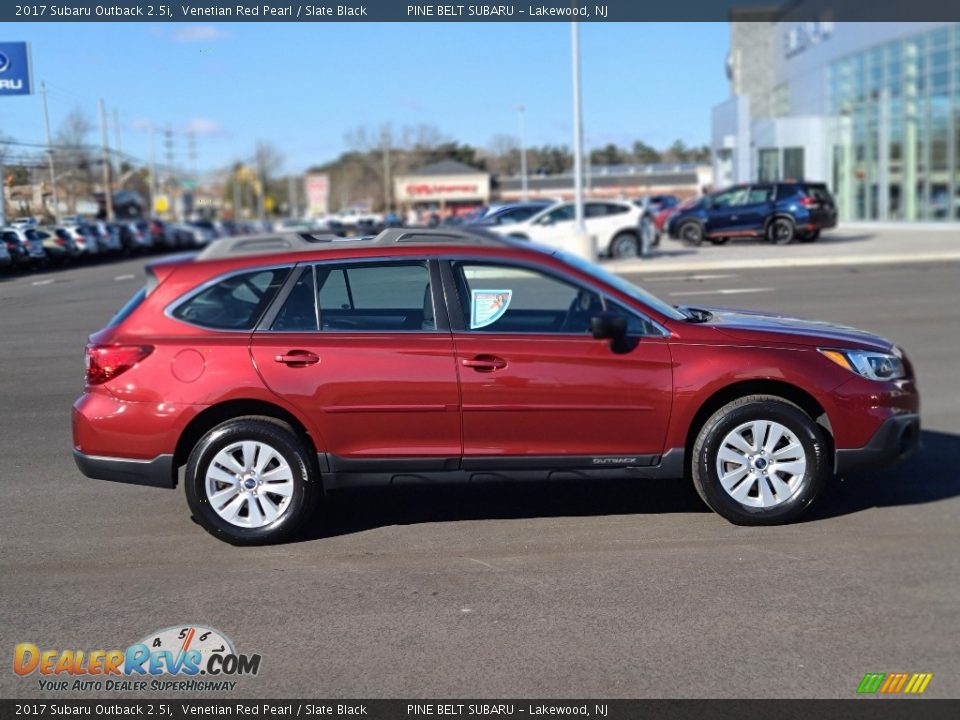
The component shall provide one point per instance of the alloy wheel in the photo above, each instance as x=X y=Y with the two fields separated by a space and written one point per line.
x=761 y=464
x=249 y=484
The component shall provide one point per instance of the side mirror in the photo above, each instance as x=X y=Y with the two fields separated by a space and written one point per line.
x=608 y=326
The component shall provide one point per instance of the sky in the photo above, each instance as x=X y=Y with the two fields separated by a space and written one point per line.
x=305 y=86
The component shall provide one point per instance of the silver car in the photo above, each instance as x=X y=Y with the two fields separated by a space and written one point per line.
x=87 y=242
x=31 y=241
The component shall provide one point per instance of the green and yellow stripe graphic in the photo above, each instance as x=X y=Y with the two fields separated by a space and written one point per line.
x=894 y=683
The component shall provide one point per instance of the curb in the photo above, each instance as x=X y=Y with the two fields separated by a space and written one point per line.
x=652 y=266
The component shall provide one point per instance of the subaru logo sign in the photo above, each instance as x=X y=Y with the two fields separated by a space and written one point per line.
x=15 y=69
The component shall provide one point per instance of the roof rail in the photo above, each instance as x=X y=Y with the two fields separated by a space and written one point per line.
x=271 y=243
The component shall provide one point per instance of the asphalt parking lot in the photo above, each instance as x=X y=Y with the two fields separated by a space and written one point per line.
x=629 y=589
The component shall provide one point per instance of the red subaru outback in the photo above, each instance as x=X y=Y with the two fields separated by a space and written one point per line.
x=274 y=368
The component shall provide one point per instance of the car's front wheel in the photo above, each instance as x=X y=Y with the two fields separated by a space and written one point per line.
x=760 y=460
x=251 y=481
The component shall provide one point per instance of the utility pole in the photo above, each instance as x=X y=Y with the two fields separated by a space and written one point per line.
x=3 y=193
x=171 y=179
x=385 y=143
x=107 y=188
x=46 y=127
x=236 y=192
x=291 y=197
x=153 y=169
x=192 y=155
x=525 y=192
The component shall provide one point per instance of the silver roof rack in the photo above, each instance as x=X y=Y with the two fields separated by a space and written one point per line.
x=285 y=242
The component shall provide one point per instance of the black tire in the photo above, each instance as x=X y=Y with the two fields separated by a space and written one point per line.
x=810 y=236
x=691 y=232
x=624 y=245
x=280 y=437
x=781 y=231
x=719 y=240
x=704 y=462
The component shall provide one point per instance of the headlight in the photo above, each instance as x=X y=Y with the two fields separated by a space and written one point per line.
x=868 y=364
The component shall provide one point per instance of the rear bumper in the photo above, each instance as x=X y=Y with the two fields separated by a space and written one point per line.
x=155 y=473
x=896 y=439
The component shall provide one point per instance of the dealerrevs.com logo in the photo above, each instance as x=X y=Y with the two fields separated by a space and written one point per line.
x=187 y=658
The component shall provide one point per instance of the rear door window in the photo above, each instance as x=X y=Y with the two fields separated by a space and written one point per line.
x=381 y=297
x=234 y=303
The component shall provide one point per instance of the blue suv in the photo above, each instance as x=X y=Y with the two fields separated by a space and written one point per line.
x=779 y=212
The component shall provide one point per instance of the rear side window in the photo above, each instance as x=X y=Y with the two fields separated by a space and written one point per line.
x=820 y=193
x=233 y=303
x=390 y=297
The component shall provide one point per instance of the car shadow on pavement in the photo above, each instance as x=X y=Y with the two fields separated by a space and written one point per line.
x=928 y=476
x=920 y=479
x=349 y=511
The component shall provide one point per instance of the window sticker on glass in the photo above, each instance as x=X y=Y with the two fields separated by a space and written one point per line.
x=488 y=306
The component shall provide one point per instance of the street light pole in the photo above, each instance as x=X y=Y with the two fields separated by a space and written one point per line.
x=584 y=244
x=46 y=127
x=523 y=155
x=577 y=130
x=107 y=186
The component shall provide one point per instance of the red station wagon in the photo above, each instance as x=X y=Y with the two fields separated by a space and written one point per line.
x=278 y=367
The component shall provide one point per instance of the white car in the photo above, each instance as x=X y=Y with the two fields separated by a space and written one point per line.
x=352 y=216
x=614 y=223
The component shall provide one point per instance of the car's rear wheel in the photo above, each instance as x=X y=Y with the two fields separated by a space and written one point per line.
x=691 y=233
x=251 y=481
x=781 y=231
x=624 y=245
x=760 y=460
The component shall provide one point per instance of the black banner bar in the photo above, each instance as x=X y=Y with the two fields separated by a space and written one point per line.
x=549 y=11
x=173 y=709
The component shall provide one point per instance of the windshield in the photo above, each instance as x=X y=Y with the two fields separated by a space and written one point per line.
x=627 y=288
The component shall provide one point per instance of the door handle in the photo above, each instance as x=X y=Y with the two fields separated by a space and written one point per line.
x=298 y=358
x=484 y=363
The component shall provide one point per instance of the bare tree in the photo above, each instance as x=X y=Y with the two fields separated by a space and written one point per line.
x=503 y=155
x=73 y=158
x=268 y=161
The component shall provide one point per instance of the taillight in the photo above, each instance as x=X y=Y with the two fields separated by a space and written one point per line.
x=105 y=362
x=808 y=201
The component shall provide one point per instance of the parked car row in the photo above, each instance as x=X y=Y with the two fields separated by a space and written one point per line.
x=780 y=213
x=27 y=245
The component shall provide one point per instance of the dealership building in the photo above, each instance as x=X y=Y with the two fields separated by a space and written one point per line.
x=872 y=109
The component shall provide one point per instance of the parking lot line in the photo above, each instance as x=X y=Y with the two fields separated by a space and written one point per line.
x=724 y=291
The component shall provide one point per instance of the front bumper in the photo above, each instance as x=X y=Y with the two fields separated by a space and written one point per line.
x=155 y=473
x=896 y=439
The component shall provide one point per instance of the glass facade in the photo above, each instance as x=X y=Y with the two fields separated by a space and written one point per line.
x=897 y=131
